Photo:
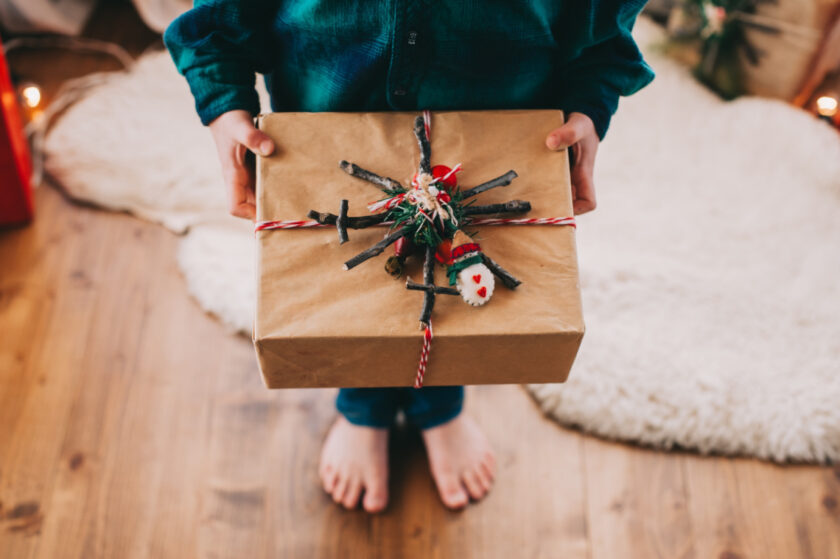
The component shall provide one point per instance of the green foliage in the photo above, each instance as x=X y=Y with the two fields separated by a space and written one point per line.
x=421 y=230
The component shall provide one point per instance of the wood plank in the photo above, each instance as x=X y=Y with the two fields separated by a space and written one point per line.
x=765 y=510
x=813 y=495
x=719 y=527
x=55 y=349
x=101 y=380
x=637 y=502
x=744 y=508
x=536 y=459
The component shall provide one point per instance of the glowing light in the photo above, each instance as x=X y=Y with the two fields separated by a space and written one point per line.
x=827 y=106
x=31 y=96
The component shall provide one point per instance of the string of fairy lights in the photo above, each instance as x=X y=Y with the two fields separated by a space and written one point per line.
x=828 y=108
x=30 y=95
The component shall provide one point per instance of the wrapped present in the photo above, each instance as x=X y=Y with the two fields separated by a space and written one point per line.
x=389 y=256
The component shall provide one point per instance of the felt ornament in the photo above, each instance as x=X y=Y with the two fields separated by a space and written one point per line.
x=467 y=271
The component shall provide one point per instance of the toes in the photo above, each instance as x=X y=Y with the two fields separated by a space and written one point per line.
x=340 y=488
x=484 y=478
x=330 y=479
x=376 y=489
x=351 y=495
x=473 y=485
x=452 y=493
x=488 y=468
x=375 y=498
x=325 y=470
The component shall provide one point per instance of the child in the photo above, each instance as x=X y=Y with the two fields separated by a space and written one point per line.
x=356 y=55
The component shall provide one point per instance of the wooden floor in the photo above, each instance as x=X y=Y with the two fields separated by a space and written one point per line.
x=132 y=425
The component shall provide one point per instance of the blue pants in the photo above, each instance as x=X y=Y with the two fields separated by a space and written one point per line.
x=423 y=407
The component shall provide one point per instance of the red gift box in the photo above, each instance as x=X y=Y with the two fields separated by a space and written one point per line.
x=15 y=164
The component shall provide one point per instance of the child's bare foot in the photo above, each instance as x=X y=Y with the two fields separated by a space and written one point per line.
x=460 y=457
x=354 y=460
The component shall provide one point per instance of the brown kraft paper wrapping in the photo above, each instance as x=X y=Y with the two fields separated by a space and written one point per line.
x=318 y=325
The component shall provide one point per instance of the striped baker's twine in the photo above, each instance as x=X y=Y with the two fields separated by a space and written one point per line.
x=312 y=224
x=290 y=224
x=387 y=203
x=525 y=221
x=424 y=355
x=427 y=333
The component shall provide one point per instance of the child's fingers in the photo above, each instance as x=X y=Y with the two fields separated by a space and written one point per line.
x=239 y=127
x=584 y=185
x=241 y=204
x=573 y=131
x=239 y=179
x=243 y=131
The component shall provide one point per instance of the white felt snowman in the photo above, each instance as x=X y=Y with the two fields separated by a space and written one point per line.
x=467 y=272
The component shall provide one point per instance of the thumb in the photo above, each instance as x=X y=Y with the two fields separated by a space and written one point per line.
x=244 y=132
x=569 y=134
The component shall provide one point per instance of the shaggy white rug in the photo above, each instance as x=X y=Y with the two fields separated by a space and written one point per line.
x=710 y=271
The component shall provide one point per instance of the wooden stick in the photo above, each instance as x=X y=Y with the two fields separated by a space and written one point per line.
x=425 y=146
x=376 y=249
x=386 y=184
x=504 y=276
x=512 y=206
x=360 y=222
x=341 y=222
x=502 y=180
x=438 y=289
x=428 y=279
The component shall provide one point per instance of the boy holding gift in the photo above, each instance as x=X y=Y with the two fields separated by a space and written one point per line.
x=322 y=55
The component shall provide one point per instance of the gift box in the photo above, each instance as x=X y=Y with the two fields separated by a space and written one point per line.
x=319 y=325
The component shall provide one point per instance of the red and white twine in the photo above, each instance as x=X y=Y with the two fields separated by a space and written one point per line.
x=291 y=224
x=312 y=224
x=427 y=122
x=389 y=203
x=427 y=333
x=424 y=355
x=525 y=221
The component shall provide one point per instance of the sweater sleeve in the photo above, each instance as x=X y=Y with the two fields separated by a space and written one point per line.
x=219 y=46
x=610 y=66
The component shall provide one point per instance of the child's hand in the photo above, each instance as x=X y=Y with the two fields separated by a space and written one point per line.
x=579 y=135
x=234 y=133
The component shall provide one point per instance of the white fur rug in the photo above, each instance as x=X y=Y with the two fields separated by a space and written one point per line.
x=710 y=271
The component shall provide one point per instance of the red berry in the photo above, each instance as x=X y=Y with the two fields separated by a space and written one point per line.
x=403 y=247
x=439 y=171
x=443 y=251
